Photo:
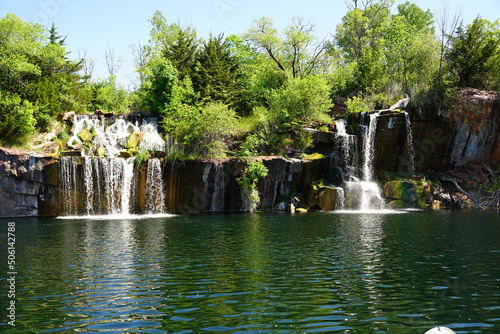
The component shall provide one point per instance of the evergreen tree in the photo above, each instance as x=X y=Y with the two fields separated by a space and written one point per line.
x=475 y=55
x=215 y=76
x=181 y=50
x=54 y=38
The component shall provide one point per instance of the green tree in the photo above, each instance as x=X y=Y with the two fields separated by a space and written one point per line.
x=410 y=48
x=215 y=76
x=302 y=102
x=17 y=121
x=202 y=131
x=181 y=50
x=256 y=78
x=54 y=38
x=160 y=77
x=108 y=95
x=34 y=65
x=475 y=55
x=363 y=27
x=296 y=54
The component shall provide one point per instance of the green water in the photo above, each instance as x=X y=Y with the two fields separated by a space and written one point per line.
x=256 y=273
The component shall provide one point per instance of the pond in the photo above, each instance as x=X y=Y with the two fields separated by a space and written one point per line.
x=391 y=272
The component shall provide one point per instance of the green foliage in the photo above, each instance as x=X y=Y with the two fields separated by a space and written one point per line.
x=474 y=58
x=215 y=75
x=142 y=156
x=252 y=172
x=297 y=54
x=301 y=102
x=108 y=95
x=17 y=121
x=203 y=132
x=356 y=104
x=160 y=77
x=363 y=28
x=34 y=68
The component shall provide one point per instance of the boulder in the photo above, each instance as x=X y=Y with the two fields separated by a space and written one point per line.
x=101 y=152
x=85 y=135
x=327 y=199
x=404 y=192
x=135 y=139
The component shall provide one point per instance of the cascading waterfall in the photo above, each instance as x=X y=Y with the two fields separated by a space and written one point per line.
x=155 y=193
x=359 y=191
x=347 y=144
x=94 y=185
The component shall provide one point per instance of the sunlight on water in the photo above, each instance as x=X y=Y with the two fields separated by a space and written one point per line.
x=370 y=212
x=258 y=273
x=117 y=216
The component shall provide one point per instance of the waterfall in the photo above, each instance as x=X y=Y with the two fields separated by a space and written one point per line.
x=346 y=148
x=67 y=182
x=92 y=185
x=358 y=192
x=155 y=193
x=368 y=146
x=112 y=134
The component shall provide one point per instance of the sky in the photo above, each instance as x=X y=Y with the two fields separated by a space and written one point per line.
x=94 y=26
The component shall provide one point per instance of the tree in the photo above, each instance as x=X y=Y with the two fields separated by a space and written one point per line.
x=34 y=66
x=88 y=65
x=54 y=38
x=360 y=38
x=140 y=54
x=215 y=76
x=171 y=41
x=474 y=54
x=113 y=63
x=160 y=77
x=302 y=102
x=181 y=49
x=410 y=48
x=256 y=76
x=363 y=27
x=419 y=20
x=108 y=95
x=447 y=24
x=297 y=54
x=202 y=131
x=17 y=119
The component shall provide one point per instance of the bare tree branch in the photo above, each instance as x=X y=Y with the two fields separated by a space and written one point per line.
x=113 y=63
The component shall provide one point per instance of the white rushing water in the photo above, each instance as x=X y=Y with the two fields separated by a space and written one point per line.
x=107 y=185
x=155 y=192
x=359 y=192
x=113 y=135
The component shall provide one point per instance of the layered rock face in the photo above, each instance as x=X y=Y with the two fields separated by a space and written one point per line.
x=458 y=140
x=28 y=184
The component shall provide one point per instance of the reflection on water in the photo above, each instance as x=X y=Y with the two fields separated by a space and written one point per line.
x=259 y=273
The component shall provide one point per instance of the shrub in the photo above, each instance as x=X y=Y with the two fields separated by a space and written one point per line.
x=17 y=122
x=202 y=132
x=253 y=171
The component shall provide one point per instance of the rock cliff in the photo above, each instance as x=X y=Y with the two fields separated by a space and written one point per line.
x=455 y=151
x=28 y=184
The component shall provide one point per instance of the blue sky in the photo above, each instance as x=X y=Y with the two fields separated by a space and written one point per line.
x=92 y=25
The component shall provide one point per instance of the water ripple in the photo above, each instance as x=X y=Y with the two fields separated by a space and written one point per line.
x=259 y=274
